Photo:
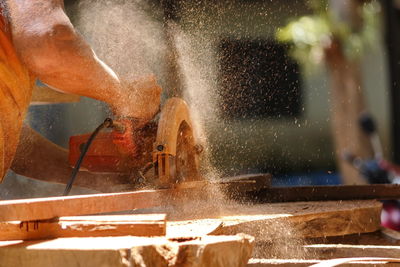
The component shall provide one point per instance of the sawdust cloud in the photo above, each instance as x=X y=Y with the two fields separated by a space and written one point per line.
x=198 y=65
x=132 y=42
x=123 y=35
x=129 y=37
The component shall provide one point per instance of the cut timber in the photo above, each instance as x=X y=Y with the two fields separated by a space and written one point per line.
x=43 y=95
x=206 y=251
x=327 y=192
x=357 y=245
x=269 y=222
x=237 y=186
x=199 y=227
x=50 y=207
x=85 y=226
x=311 y=251
x=360 y=260
x=367 y=261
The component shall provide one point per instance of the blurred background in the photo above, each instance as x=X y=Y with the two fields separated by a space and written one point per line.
x=264 y=79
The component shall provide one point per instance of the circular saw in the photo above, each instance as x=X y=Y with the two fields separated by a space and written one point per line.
x=168 y=146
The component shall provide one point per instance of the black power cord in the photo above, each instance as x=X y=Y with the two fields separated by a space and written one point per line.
x=108 y=123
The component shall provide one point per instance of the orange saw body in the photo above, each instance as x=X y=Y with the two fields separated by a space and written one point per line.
x=169 y=146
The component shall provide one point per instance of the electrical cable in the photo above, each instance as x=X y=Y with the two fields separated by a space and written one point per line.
x=108 y=123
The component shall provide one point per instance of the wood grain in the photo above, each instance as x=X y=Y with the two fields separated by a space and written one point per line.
x=269 y=222
x=85 y=226
x=210 y=251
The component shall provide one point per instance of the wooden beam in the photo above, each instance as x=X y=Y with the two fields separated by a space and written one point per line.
x=327 y=192
x=50 y=207
x=197 y=227
x=238 y=187
x=211 y=251
x=367 y=261
x=288 y=252
x=85 y=226
x=361 y=260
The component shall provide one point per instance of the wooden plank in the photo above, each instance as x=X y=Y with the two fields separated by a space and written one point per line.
x=187 y=228
x=327 y=192
x=47 y=208
x=50 y=207
x=367 y=262
x=359 y=260
x=43 y=95
x=85 y=226
x=304 y=252
x=237 y=186
x=270 y=222
x=211 y=251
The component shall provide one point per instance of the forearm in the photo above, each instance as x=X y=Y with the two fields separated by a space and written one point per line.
x=38 y=158
x=51 y=48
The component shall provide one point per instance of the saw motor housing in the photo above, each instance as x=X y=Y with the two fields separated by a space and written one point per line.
x=169 y=145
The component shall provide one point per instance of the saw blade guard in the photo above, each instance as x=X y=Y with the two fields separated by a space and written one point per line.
x=175 y=148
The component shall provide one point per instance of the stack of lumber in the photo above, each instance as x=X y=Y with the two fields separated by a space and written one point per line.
x=35 y=232
x=217 y=237
x=85 y=226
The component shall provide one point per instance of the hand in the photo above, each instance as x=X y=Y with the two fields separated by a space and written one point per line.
x=139 y=99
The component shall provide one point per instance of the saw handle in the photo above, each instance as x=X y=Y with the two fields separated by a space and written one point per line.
x=111 y=151
x=108 y=123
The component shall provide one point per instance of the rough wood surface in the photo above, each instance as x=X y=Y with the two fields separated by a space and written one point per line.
x=311 y=251
x=206 y=251
x=301 y=219
x=85 y=226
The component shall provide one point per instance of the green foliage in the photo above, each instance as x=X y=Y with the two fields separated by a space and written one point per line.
x=310 y=35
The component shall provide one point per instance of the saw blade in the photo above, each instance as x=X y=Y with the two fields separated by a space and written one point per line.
x=175 y=148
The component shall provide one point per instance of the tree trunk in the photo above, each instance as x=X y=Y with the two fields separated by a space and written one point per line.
x=347 y=102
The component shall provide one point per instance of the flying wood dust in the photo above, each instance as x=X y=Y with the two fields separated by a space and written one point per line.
x=129 y=36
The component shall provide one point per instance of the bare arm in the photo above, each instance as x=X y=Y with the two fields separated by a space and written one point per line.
x=56 y=53
x=38 y=158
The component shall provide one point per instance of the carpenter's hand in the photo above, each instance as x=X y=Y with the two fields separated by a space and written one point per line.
x=140 y=99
